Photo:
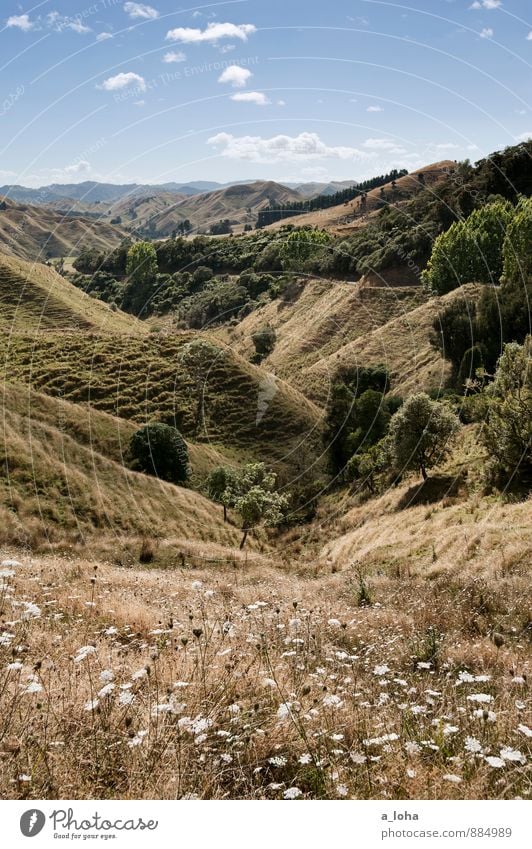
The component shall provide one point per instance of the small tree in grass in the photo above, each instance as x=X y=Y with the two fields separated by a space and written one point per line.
x=159 y=449
x=264 y=340
x=220 y=485
x=252 y=494
x=420 y=433
x=507 y=433
x=198 y=357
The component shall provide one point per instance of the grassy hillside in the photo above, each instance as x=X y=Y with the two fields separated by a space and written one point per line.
x=37 y=232
x=344 y=219
x=33 y=297
x=238 y=203
x=64 y=480
x=316 y=327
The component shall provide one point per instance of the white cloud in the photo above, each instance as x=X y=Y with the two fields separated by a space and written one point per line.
x=374 y=109
x=281 y=148
x=524 y=136
x=140 y=10
x=384 y=144
x=281 y=103
x=236 y=76
x=251 y=97
x=21 y=22
x=103 y=36
x=213 y=32
x=447 y=146
x=174 y=56
x=529 y=36
x=487 y=32
x=486 y=4
x=80 y=167
x=123 y=81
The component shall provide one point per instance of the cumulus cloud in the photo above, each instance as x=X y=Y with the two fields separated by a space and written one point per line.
x=174 y=56
x=236 y=76
x=529 y=36
x=282 y=148
x=251 y=97
x=487 y=32
x=524 y=137
x=384 y=144
x=80 y=167
x=486 y=4
x=374 y=109
x=103 y=36
x=20 y=22
x=123 y=81
x=213 y=32
x=140 y=10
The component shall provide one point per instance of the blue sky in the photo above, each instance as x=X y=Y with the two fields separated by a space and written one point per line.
x=288 y=90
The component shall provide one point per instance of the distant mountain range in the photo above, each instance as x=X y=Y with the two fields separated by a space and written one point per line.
x=93 y=192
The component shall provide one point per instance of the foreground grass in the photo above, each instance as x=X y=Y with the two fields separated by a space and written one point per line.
x=251 y=681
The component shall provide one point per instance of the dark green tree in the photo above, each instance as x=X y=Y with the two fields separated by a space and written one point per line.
x=160 y=450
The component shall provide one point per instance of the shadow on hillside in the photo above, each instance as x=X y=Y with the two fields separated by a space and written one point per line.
x=432 y=490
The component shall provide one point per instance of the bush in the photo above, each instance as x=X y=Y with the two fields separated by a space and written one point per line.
x=507 y=433
x=264 y=340
x=160 y=450
x=420 y=433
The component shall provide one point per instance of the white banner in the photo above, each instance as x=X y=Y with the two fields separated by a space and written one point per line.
x=239 y=825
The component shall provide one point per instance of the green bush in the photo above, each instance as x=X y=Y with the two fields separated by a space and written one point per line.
x=160 y=450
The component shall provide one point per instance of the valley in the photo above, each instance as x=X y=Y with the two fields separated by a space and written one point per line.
x=331 y=594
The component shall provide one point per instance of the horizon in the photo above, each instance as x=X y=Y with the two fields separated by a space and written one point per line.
x=139 y=93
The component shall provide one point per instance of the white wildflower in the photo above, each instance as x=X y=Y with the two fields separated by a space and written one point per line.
x=277 y=760
x=381 y=670
x=84 y=652
x=92 y=704
x=496 y=763
x=106 y=690
x=292 y=793
x=283 y=711
x=482 y=698
x=524 y=729
x=333 y=701
x=305 y=759
x=126 y=697
x=106 y=675
x=454 y=779
x=509 y=754
x=137 y=740
x=472 y=745
x=342 y=790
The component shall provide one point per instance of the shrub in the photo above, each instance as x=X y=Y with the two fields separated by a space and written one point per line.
x=420 y=433
x=159 y=449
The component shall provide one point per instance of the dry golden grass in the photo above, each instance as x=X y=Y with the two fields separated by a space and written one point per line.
x=35 y=298
x=358 y=678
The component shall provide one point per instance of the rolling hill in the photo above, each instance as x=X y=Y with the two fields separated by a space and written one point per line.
x=239 y=203
x=343 y=219
x=39 y=232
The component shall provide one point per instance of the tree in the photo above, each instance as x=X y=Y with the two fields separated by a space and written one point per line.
x=420 y=433
x=264 y=340
x=356 y=412
x=221 y=483
x=141 y=268
x=517 y=253
x=252 y=494
x=301 y=245
x=159 y=449
x=198 y=357
x=470 y=251
x=507 y=433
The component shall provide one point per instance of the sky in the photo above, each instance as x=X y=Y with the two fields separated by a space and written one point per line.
x=287 y=90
